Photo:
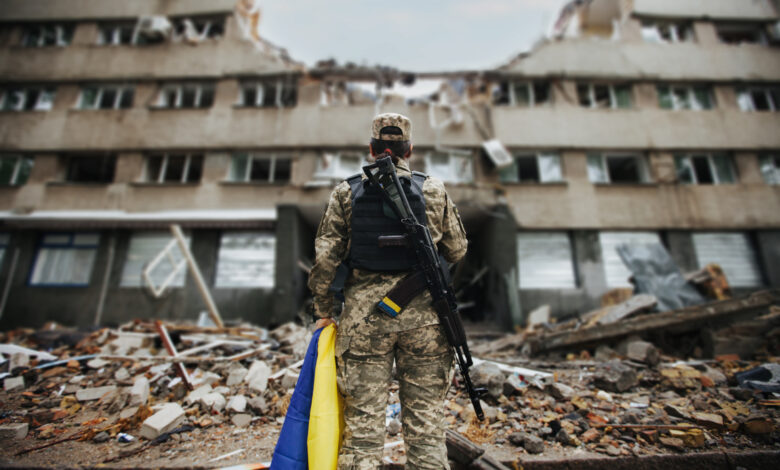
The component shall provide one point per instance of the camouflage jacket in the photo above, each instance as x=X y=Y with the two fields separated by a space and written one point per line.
x=363 y=289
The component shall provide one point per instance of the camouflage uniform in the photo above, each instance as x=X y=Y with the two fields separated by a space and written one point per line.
x=368 y=342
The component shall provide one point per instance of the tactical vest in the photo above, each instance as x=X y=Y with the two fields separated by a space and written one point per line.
x=372 y=218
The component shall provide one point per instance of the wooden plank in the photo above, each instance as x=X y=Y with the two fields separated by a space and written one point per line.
x=686 y=319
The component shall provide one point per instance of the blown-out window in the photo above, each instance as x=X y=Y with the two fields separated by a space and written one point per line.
x=246 y=260
x=27 y=98
x=523 y=94
x=540 y=167
x=450 y=167
x=279 y=93
x=770 y=168
x=759 y=98
x=65 y=259
x=679 y=97
x=47 y=34
x=704 y=169
x=667 y=31
x=174 y=168
x=339 y=165
x=260 y=168
x=604 y=95
x=106 y=97
x=14 y=169
x=733 y=252
x=90 y=168
x=186 y=95
x=617 y=168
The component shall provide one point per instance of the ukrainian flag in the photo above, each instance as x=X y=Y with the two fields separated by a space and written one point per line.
x=311 y=433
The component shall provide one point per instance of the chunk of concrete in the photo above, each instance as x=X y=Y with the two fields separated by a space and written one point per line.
x=237 y=404
x=167 y=418
x=121 y=374
x=257 y=377
x=614 y=376
x=236 y=376
x=241 y=420
x=18 y=360
x=13 y=431
x=258 y=405
x=561 y=391
x=95 y=393
x=97 y=363
x=488 y=375
x=195 y=395
x=539 y=316
x=13 y=383
x=642 y=351
x=289 y=379
x=139 y=394
x=213 y=401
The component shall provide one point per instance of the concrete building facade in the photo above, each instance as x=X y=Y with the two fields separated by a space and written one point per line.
x=642 y=121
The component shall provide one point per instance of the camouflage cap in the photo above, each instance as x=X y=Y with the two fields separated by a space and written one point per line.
x=384 y=120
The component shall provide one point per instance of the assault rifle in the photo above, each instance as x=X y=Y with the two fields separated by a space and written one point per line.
x=382 y=175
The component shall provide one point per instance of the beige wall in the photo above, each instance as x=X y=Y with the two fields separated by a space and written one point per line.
x=85 y=60
x=35 y=10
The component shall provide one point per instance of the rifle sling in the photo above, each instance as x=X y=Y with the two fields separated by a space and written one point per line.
x=402 y=293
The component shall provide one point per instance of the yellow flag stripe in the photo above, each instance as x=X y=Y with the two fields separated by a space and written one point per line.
x=391 y=304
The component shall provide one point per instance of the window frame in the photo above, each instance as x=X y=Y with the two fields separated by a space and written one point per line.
x=644 y=171
x=280 y=84
x=530 y=86
x=188 y=157
x=163 y=238
x=690 y=91
x=100 y=89
x=747 y=91
x=687 y=159
x=22 y=106
x=455 y=174
x=116 y=33
x=70 y=245
x=337 y=173
x=63 y=33
x=537 y=155
x=251 y=158
x=14 y=180
x=611 y=87
x=178 y=88
x=773 y=180
x=675 y=30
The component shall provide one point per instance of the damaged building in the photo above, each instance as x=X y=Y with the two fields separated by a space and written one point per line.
x=637 y=121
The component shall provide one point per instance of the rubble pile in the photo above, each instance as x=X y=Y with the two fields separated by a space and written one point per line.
x=123 y=384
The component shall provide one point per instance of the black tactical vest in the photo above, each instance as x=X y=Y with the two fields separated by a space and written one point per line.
x=372 y=218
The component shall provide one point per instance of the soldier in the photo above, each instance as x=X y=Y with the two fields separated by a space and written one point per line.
x=368 y=341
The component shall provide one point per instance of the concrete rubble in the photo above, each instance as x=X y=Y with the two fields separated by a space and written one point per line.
x=626 y=396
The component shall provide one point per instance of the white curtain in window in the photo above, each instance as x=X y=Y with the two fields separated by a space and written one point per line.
x=65 y=266
x=545 y=260
x=246 y=260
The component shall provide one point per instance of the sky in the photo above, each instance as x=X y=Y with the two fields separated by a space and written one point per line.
x=413 y=35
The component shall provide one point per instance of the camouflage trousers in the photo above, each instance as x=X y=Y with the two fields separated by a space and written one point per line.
x=424 y=368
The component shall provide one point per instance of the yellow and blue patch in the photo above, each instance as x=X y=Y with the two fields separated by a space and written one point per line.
x=389 y=307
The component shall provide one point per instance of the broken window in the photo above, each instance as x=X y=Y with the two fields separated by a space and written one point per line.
x=196 y=29
x=278 y=93
x=747 y=33
x=733 y=252
x=680 y=97
x=65 y=259
x=339 y=165
x=90 y=169
x=114 y=34
x=545 y=260
x=770 y=168
x=704 y=169
x=14 y=169
x=27 y=98
x=600 y=95
x=47 y=34
x=523 y=94
x=759 y=98
x=186 y=95
x=666 y=31
x=617 y=274
x=106 y=97
x=450 y=167
x=174 y=168
x=246 y=260
x=350 y=93
x=260 y=168
x=533 y=168
x=145 y=247
x=617 y=168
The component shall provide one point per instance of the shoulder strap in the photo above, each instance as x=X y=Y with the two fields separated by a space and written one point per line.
x=355 y=182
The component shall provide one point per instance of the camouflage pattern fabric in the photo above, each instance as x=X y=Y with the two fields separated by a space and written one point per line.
x=391 y=120
x=364 y=289
x=424 y=370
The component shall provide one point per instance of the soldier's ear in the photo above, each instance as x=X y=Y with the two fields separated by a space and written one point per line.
x=409 y=152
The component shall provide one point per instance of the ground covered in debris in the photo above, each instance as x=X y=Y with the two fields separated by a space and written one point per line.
x=116 y=397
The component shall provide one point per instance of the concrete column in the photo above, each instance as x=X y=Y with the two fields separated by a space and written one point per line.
x=145 y=94
x=631 y=30
x=85 y=34
x=646 y=96
x=662 y=169
x=769 y=255
x=705 y=32
x=680 y=247
x=564 y=94
x=725 y=97
x=589 y=266
x=66 y=98
x=129 y=168
x=294 y=240
x=226 y=93
x=47 y=168
x=496 y=246
x=215 y=167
